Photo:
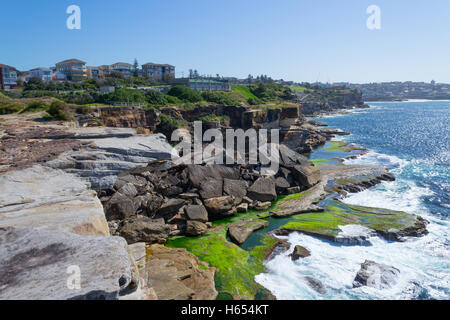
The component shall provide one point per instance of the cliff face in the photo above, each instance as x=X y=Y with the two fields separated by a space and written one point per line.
x=327 y=101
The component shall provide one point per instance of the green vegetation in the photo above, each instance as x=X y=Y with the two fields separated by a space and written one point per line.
x=59 y=110
x=326 y=224
x=214 y=118
x=185 y=94
x=337 y=146
x=299 y=89
x=236 y=268
x=83 y=110
x=125 y=95
x=8 y=105
x=222 y=98
x=35 y=106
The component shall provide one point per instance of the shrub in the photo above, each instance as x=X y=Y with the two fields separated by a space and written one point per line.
x=185 y=94
x=219 y=98
x=155 y=97
x=125 y=95
x=34 y=106
x=83 y=110
x=59 y=110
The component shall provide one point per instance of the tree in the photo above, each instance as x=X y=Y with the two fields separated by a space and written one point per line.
x=136 y=68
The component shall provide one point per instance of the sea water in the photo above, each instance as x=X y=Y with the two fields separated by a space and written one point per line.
x=412 y=139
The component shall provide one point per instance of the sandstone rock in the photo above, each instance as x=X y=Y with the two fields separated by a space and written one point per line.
x=235 y=188
x=290 y=158
x=170 y=207
x=176 y=274
x=240 y=231
x=120 y=207
x=211 y=188
x=243 y=207
x=219 y=207
x=299 y=252
x=195 y=228
x=198 y=174
x=263 y=190
x=282 y=185
x=196 y=213
x=128 y=190
x=376 y=275
x=307 y=176
x=38 y=264
x=143 y=229
x=44 y=198
x=136 y=181
x=263 y=205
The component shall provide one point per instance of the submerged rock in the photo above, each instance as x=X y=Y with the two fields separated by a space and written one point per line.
x=354 y=235
x=376 y=275
x=316 y=285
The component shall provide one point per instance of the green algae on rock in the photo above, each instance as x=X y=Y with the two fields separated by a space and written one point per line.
x=390 y=224
x=236 y=268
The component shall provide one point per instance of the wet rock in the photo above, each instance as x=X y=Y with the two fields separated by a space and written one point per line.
x=240 y=231
x=263 y=205
x=263 y=190
x=353 y=234
x=376 y=275
x=316 y=285
x=195 y=228
x=143 y=229
x=196 y=213
x=299 y=252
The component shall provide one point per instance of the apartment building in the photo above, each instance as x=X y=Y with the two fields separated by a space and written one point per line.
x=204 y=84
x=45 y=74
x=8 y=77
x=156 y=71
x=95 y=73
x=73 y=69
x=124 y=68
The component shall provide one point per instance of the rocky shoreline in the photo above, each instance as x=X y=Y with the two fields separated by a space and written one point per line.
x=165 y=231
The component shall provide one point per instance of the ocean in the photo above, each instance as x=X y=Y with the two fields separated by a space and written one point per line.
x=412 y=139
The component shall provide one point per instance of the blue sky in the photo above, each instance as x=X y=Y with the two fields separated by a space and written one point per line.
x=325 y=40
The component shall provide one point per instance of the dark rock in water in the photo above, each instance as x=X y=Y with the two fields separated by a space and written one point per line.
x=263 y=190
x=300 y=252
x=316 y=285
x=120 y=207
x=219 y=207
x=235 y=188
x=306 y=176
x=195 y=228
x=240 y=231
x=196 y=213
x=143 y=229
x=376 y=275
x=211 y=188
x=170 y=207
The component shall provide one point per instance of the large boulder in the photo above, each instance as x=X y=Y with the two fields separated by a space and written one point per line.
x=170 y=207
x=235 y=188
x=376 y=275
x=290 y=158
x=195 y=228
x=263 y=190
x=306 y=176
x=176 y=274
x=240 y=231
x=198 y=174
x=143 y=229
x=211 y=188
x=196 y=213
x=38 y=264
x=220 y=207
x=45 y=198
x=120 y=207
